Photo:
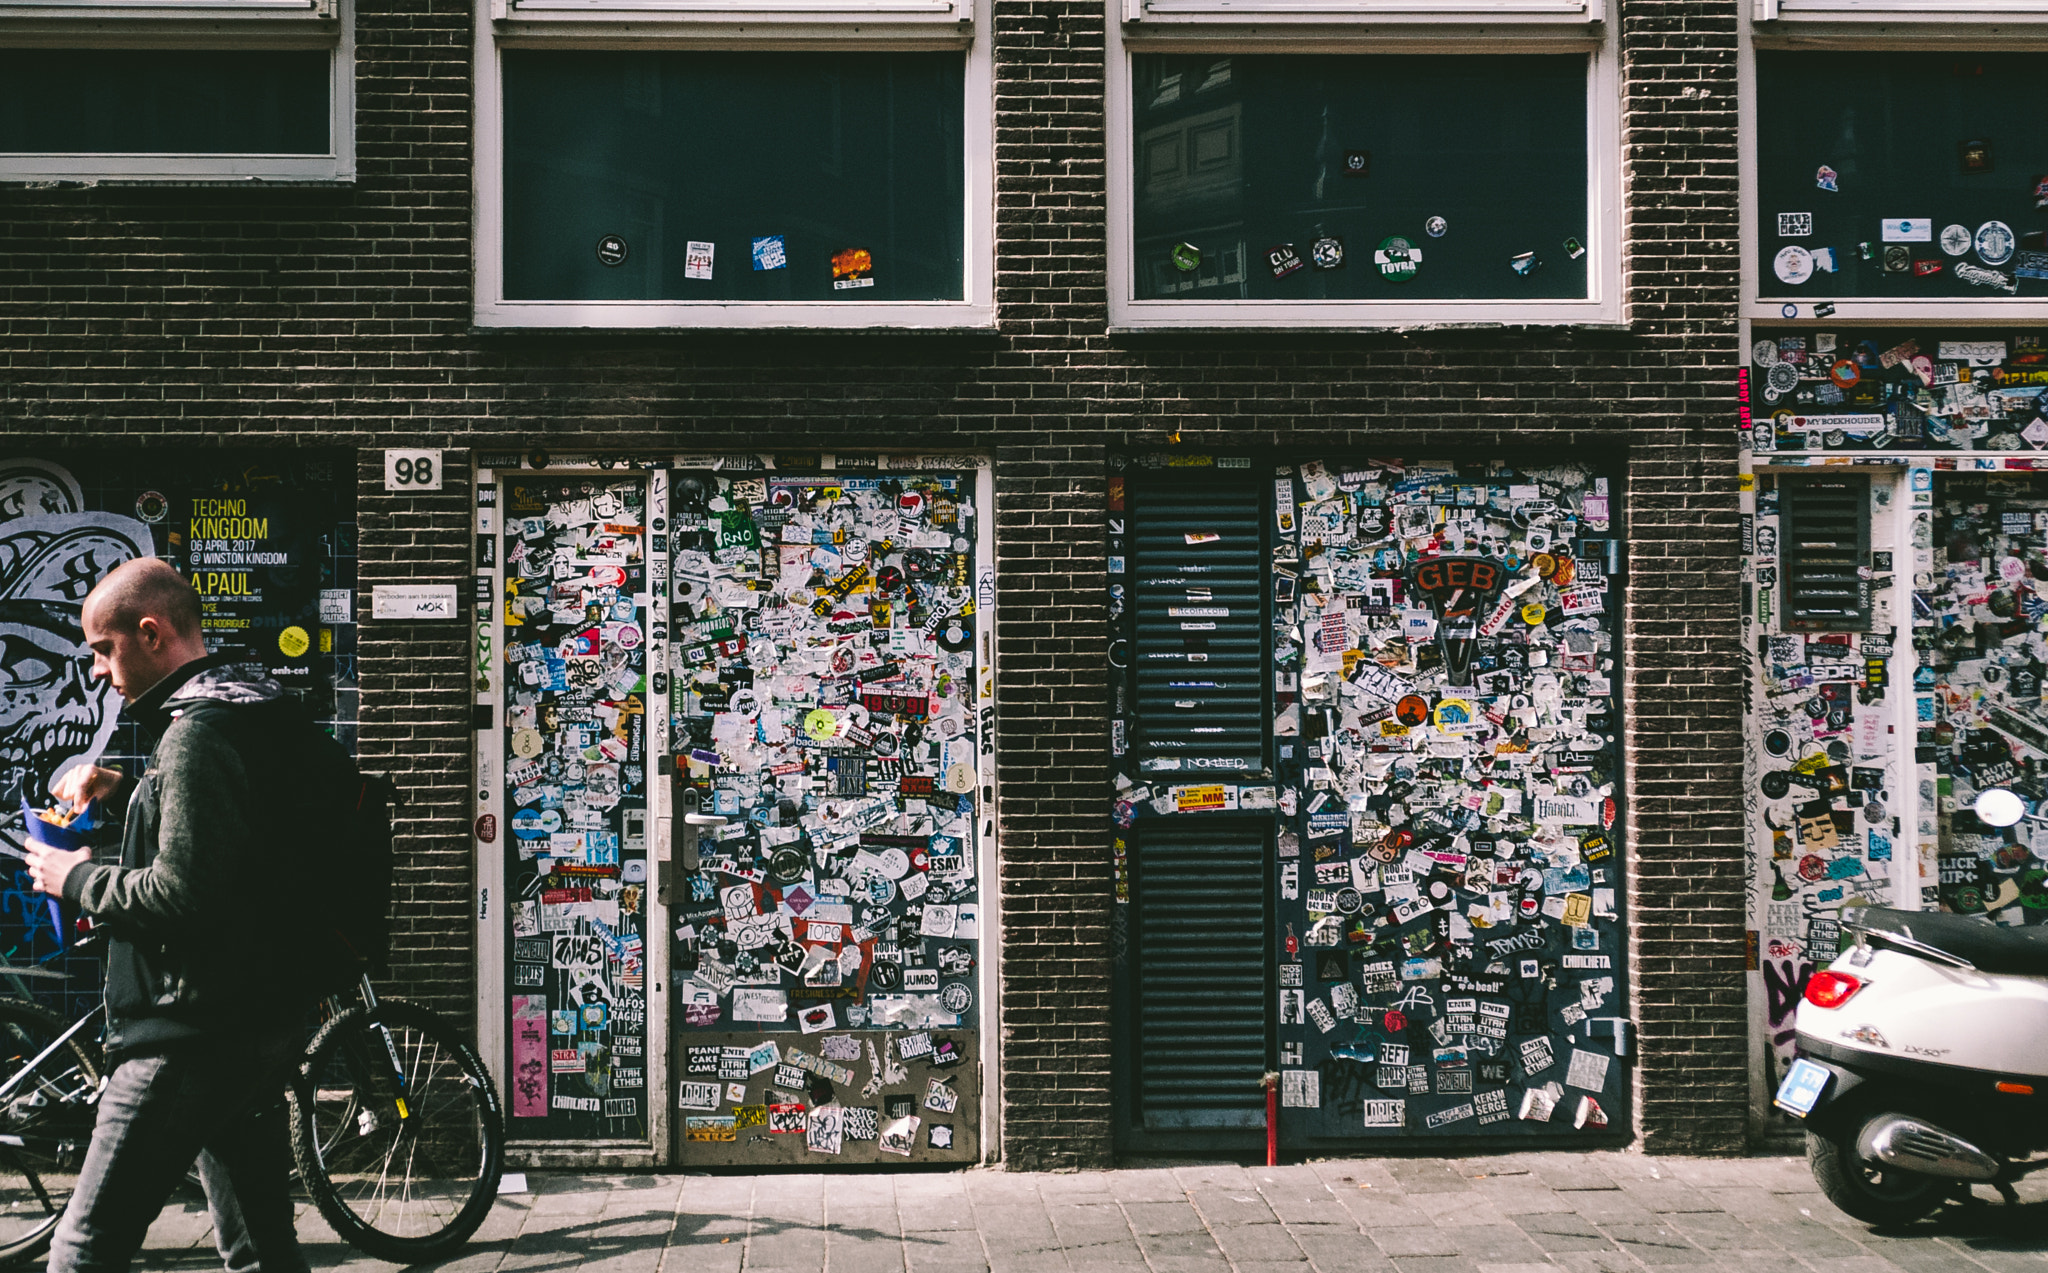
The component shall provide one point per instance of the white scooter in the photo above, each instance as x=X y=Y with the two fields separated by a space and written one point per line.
x=1922 y=1061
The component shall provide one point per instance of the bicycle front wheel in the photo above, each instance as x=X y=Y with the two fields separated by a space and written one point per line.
x=397 y=1132
x=45 y=1124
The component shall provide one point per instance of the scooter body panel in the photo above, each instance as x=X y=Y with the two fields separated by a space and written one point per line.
x=1916 y=1010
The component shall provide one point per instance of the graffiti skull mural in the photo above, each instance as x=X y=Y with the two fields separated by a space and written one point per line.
x=53 y=716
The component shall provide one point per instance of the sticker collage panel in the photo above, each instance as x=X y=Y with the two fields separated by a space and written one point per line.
x=830 y=700
x=1982 y=655
x=1448 y=863
x=576 y=798
x=1822 y=799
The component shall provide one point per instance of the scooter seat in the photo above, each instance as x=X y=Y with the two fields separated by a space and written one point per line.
x=1987 y=946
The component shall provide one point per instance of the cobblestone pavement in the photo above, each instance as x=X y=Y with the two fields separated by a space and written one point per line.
x=1522 y=1213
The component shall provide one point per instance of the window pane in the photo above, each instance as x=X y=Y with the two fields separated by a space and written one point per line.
x=163 y=102
x=1930 y=140
x=616 y=163
x=1473 y=160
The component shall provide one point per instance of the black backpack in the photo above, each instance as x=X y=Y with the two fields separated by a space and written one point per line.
x=351 y=928
x=339 y=872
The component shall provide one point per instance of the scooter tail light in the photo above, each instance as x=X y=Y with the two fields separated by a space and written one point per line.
x=1831 y=989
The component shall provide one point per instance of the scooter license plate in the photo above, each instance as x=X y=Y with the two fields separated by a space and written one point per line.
x=1802 y=1088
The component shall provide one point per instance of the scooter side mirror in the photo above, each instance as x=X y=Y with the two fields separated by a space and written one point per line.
x=1999 y=807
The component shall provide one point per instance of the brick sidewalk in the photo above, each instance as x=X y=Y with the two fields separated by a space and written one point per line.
x=1523 y=1213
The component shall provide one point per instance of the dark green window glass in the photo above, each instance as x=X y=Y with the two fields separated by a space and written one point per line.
x=164 y=102
x=1243 y=159
x=1927 y=141
x=616 y=162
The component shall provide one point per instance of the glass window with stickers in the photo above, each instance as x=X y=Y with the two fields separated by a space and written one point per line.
x=1891 y=183
x=1325 y=174
x=829 y=703
x=745 y=163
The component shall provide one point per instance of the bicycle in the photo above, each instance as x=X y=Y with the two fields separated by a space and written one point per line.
x=396 y=1129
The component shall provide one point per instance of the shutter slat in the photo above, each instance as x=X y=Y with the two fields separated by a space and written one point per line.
x=1203 y=948
x=1824 y=544
x=1198 y=623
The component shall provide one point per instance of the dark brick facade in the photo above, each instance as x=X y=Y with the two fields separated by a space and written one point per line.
x=203 y=316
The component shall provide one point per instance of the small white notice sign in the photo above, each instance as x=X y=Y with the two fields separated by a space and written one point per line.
x=413 y=601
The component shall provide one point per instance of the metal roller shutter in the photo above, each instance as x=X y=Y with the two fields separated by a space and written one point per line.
x=1198 y=578
x=1203 y=943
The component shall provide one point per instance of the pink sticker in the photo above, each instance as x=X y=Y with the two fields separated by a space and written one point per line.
x=529 y=1056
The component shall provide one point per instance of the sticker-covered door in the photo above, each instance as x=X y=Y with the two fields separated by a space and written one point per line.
x=575 y=760
x=1978 y=629
x=1450 y=882
x=830 y=700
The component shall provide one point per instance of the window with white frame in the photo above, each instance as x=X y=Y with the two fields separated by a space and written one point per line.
x=176 y=90
x=1312 y=173
x=1890 y=167
x=734 y=163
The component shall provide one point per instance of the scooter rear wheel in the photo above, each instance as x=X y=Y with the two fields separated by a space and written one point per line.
x=1870 y=1191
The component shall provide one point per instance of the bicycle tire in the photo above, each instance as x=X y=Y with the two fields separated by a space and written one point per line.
x=45 y=1125
x=351 y=1132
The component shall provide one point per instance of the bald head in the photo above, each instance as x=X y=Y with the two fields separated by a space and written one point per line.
x=146 y=588
x=142 y=623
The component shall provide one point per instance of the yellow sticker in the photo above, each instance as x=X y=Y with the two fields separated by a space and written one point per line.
x=1745 y=482
x=821 y=725
x=294 y=641
x=1195 y=799
x=1532 y=614
x=327 y=640
x=1578 y=909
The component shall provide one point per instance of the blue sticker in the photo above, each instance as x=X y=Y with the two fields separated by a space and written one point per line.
x=770 y=254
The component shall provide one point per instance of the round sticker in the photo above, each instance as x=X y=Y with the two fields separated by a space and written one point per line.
x=958 y=634
x=1955 y=239
x=786 y=866
x=627 y=637
x=1777 y=742
x=1794 y=265
x=2012 y=568
x=1453 y=712
x=1546 y=565
x=1533 y=614
x=1186 y=257
x=1845 y=373
x=1764 y=353
x=1776 y=784
x=1782 y=378
x=1348 y=900
x=887 y=974
x=1995 y=243
x=1435 y=227
x=1413 y=709
x=526 y=743
x=881 y=891
x=1397 y=258
x=956 y=997
x=1327 y=253
x=959 y=779
x=294 y=641
x=611 y=250
x=152 y=506
x=820 y=725
x=1396 y=1021
x=894 y=863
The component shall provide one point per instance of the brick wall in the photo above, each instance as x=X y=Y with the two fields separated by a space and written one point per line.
x=203 y=316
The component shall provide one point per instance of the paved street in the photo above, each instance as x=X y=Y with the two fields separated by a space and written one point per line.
x=1587 y=1213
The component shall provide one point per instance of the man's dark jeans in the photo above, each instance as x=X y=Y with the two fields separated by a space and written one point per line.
x=218 y=1098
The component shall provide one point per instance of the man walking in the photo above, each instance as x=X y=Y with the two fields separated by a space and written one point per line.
x=203 y=1017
